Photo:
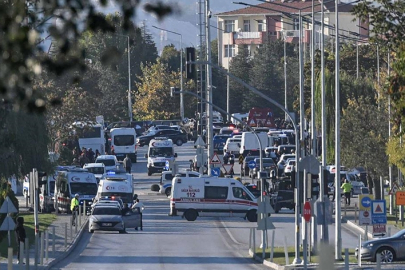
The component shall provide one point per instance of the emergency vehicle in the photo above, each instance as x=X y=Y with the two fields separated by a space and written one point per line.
x=167 y=177
x=123 y=141
x=212 y=196
x=117 y=185
x=160 y=150
x=74 y=181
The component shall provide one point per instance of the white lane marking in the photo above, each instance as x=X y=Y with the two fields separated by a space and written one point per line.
x=229 y=233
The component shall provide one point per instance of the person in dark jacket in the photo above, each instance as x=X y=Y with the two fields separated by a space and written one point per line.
x=20 y=235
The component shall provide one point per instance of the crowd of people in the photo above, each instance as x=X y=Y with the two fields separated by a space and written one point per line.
x=84 y=156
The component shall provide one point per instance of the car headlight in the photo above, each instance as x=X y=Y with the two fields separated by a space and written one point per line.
x=368 y=245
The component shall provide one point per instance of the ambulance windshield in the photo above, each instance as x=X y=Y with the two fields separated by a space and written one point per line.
x=161 y=152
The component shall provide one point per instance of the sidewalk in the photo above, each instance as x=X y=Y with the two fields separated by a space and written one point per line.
x=61 y=251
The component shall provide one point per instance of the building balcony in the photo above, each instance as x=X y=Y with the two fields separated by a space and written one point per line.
x=292 y=36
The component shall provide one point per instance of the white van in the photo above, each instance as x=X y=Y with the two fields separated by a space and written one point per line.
x=167 y=177
x=123 y=141
x=160 y=150
x=212 y=196
x=118 y=185
x=250 y=144
x=74 y=181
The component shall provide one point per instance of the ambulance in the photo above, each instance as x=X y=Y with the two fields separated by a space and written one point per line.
x=117 y=185
x=212 y=196
x=74 y=181
x=160 y=150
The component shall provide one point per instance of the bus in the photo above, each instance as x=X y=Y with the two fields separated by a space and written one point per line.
x=90 y=135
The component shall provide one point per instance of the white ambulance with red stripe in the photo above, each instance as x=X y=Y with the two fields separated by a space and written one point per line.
x=212 y=196
x=74 y=181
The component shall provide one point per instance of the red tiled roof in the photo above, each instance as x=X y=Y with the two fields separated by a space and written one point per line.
x=288 y=6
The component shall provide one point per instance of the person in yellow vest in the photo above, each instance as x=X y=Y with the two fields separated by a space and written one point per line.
x=347 y=188
x=74 y=207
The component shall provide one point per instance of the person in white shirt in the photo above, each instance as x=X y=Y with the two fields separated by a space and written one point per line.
x=141 y=208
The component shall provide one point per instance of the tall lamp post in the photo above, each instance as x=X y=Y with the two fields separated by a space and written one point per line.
x=129 y=78
x=181 y=69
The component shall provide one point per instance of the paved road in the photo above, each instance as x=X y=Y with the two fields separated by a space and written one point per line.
x=166 y=242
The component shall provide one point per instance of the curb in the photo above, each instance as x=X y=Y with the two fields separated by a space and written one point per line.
x=359 y=229
x=69 y=248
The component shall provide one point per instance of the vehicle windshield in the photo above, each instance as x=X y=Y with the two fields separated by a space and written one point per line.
x=106 y=162
x=268 y=161
x=161 y=152
x=227 y=131
x=110 y=211
x=96 y=170
x=399 y=234
x=124 y=140
x=125 y=197
x=89 y=132
x=83 y=188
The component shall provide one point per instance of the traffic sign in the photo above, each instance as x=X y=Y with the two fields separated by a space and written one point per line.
x=215 y=160
x=379 y=229
x=394 y=189
x=199 y=142
x=400 y=197
x=8 y=207
x=307 y=211
x=215 y=171
x=379 y=220
x=378 y=208
x=8 y=224
x=252 y=164
x=365 y=202
x=365 y=218
x=265 y=204
x=227 y=168
x=240 y=159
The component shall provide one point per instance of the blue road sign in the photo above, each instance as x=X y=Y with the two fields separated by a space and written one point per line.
x=167 y=165
x=252 y=164
x=215 y=171
x=366 y=202
x=379 y=220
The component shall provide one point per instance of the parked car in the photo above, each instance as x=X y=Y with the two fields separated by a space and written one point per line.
x=390 y=248
x=178 y=137
x=106 y=218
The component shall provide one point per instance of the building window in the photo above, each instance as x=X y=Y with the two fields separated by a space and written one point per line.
x=229 y=26
x=247 y=47
x=229 y=50
x=260 y=26
x=296 y=24
x=246 y=25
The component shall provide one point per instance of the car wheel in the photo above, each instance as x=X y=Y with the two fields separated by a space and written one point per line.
x=387 y=254
x=154 y=187
x=179 y=142
x=122 y=231
x=276 y=209
x=191 y=215
x=168 y=191
x=252 y=216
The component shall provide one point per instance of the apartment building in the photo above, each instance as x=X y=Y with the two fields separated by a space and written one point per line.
x=278 y=19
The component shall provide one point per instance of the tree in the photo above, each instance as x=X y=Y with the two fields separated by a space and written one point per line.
x=171 y=57
x=364 y=136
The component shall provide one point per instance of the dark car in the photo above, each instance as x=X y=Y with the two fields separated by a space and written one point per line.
x=178 y=137
x=268 y=164
x=246 y=169
x=219 y=142
x=254 y=189
x=282 y=199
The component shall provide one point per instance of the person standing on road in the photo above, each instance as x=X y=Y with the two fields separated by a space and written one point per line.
x=20 y=236
x=347 y=188
x=141 y=208
x=74 y=207
x=127 y=164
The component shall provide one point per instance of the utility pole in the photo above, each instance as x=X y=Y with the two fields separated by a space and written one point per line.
x=209 y=87
x=129 y=83
x=313 y=130
x=338 y=225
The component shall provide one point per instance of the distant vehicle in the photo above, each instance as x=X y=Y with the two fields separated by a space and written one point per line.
x=123 y=142
x=110 y=162
x=91 y=135
x=98 y=169
x=282 y=162
x=357 y=188
x=261 y=117
x=390 y=248
x=268 y=164
x=250 y=143
x=216 y=117
x=240 y=116
x=289 y=167
x=160 y=150
x=219 y=142
x=178 y=137
x=254 y=189
x=286 y=149
x=232 y=146
x=116 y=185
x=47 y=194
x=110 y=218
x=228 y=130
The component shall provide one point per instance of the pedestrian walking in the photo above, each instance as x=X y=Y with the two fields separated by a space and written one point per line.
x=141 y=208
x=20 y=236
x=347 y=188
x=127 y=164
x=74 y=207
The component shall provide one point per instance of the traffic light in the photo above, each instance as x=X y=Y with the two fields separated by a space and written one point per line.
x=190 y=68
x=42 y=178
x=326 y=174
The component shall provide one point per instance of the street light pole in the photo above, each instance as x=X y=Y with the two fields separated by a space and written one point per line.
x=181 y=69
x=129 y=84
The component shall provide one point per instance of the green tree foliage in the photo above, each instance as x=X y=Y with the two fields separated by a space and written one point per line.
x=364 y=135
x=171 y=57
x=21 y=57
x=153 y=100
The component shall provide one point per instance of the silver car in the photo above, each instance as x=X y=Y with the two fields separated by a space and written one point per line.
x=391 y=248
x=106 y=218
